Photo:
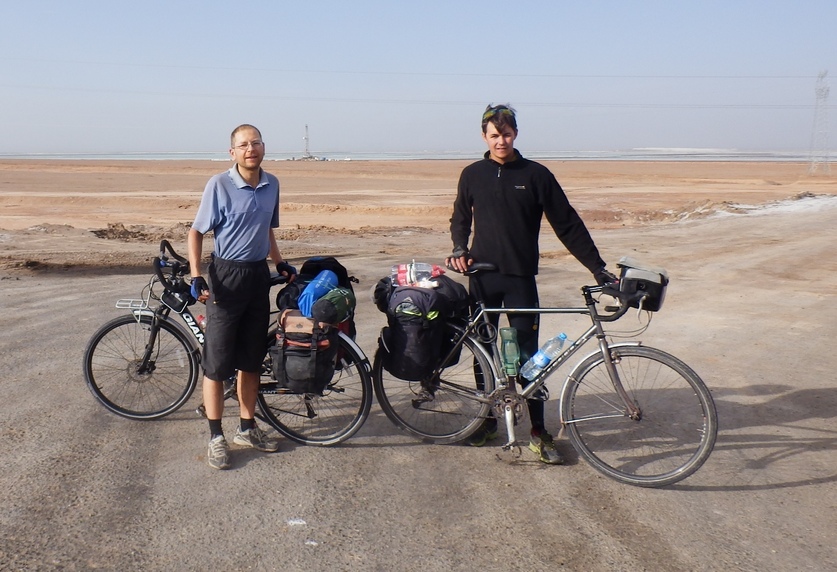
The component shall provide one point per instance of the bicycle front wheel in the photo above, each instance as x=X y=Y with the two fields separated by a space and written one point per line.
x=450 y=413
x=669 y=440
x=112 y=371
x=326 y=419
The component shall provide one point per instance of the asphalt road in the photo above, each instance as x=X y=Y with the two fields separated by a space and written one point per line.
x=748 y=309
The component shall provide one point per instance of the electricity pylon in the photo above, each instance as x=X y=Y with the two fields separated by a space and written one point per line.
x=819 y=134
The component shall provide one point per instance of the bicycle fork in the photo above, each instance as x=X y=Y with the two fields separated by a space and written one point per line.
x=631 y=408
x=147 y=365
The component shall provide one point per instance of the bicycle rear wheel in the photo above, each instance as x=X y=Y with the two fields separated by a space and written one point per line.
x=454 y=413
x=111 y=361
x=326 y=419
x=676 y=430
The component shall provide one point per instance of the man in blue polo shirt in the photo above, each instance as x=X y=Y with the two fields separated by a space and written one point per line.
x=241 y=208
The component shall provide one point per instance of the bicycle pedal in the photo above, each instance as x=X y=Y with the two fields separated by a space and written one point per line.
x=516 y=444
x=510 y=452
x=201 y=411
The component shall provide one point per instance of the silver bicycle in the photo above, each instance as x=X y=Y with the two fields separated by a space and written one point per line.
x=637 y=414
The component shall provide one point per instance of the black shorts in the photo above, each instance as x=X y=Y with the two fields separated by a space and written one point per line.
x=237 y=317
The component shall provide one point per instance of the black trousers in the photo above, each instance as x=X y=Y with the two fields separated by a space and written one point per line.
x=507 y=291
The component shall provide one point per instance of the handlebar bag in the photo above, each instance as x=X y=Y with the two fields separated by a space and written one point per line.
x=303 y=357
x=648 y=284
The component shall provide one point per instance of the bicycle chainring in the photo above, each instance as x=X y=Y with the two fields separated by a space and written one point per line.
x=511 y=398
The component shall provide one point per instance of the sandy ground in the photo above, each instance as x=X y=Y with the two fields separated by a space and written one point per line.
x=89 y=212
x=749 y=247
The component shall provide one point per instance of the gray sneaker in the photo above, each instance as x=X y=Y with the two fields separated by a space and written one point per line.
x=218 y=456
x=257 y=439
x=486 y=432
x=544 y=446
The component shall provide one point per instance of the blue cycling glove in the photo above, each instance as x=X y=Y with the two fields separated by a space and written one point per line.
x=283 y=267
x=198 y=285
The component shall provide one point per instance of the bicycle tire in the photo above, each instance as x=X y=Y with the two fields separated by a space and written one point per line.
x=114 y=351
x=321 y=420
x=677 y=429
x=453 y=415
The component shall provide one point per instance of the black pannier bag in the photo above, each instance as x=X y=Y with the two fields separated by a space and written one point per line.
x=317 y=264
x=304 y=355
x=458 y=310
x=288 y=296
x=412 y=340
x=456 y=297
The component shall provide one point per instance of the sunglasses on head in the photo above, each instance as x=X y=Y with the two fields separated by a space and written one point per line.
x=496 y=111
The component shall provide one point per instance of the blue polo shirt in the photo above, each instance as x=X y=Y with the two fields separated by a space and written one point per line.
x=240 y=216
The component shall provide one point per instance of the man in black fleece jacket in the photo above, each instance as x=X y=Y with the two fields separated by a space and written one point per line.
x=504 y=197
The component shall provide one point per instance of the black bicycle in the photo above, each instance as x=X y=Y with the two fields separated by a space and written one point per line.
x=146 y=365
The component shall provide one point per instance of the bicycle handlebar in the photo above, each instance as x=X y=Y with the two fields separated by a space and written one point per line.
x=179 y=268
x=475 y=268
x=626 y=300
x=165 y=245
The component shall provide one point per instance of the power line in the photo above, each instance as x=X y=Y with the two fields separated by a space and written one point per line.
x=410 y=73
x=378 y=101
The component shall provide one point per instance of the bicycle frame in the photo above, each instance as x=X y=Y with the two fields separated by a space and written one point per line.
x=505 y=384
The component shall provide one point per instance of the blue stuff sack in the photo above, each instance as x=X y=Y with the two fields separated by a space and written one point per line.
x=325 y=281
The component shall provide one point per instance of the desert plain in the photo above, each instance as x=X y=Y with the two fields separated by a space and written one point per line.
x=750 y=248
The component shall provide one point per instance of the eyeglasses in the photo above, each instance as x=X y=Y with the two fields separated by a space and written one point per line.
x=253 y=144
x=496 y=111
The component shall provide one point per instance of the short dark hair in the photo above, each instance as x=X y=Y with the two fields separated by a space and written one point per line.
x=240 y=128
x=500 y=116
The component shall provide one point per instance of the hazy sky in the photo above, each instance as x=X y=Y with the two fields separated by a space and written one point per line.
x=374 y=76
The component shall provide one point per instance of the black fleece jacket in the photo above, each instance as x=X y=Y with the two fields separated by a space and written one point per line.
x=506 y=203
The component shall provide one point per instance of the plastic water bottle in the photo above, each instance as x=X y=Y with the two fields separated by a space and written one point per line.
x=201 y=321
x=548 y=352
x=414 y=273
x=510 y=350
